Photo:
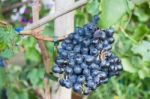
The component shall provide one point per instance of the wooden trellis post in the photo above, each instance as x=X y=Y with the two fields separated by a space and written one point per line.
x=63 y=26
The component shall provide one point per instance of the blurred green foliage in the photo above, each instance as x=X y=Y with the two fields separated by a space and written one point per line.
x=131 y=20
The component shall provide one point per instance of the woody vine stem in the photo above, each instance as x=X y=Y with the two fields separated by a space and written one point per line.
x=29 y=29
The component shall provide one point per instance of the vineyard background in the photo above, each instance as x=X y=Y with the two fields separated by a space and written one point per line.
x=24 y=71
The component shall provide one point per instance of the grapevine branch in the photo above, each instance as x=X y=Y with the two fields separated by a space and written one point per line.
x=28 y=29
x=8 y=8
x=44 y=53
x=55 y=15
x=42 y=37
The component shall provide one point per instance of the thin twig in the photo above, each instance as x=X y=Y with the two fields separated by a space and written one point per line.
x=44 y=38
x=55 y=15
x=8 y=8
x=44 y=52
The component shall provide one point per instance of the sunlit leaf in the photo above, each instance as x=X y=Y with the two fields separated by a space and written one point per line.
x=127 y=66
x=112 y=11
x=141 y=15
x=93 y=10
x=33 y=55
x=140 y=32
x=143 y=49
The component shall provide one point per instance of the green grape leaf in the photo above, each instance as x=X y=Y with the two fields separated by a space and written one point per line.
x=2 y=77
x=140 y=32
x=33 y=55
x=7 y=53
x=144 y=72
x=119 y=47
x=141 y=15
x=127 y=66
x=12 y=93
x=93 y=10
x=142 y=49
x=112 y=11
x=29 y=42
x=35 y=76
x=7 y=36
x=49 y=29
x=80 y=18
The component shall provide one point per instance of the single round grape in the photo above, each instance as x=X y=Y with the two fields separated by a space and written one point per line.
x=72 y=78
x=89 y=58
x=68 y=70
x=90 y=83
x=86 y=72
x=84 y=66
x=67 y=84
x=77 y=70
x=57 y=69
x=77 y=87
x=80 y=79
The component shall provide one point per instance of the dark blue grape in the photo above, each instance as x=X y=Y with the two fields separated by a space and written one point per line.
x=104 y=81
x=97 y=34
x=94 y=66
x=74 y=42
x=89 y=58
x=109 y=32
x=66 y=41
x=69 y=47
x=97 y=79
x=76 y=36
x=77 y=49
x=67 y=84
x=95 y=72
x=93 y=51
x=79 y=30
x=111 y=40
x=95 y=41
x=57 y=69
x=99 y=46
x=102 y=75
x=72 y=78
x=86 y=72
x=90 y=83
x=83 y=65
x=86 y=42
x=79 y=59
x=102 y=35
x=63 y=45
x=77 y=70
x=70 y=36
x=80 y=79
x=84 y=50
x=62 y=82
x=89 y=78
x=68 y=70
x=77 y=87
x=71 y=62
x=119 y=67
x=64 y=53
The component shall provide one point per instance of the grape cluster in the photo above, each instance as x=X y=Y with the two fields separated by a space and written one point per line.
x=85 y=60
